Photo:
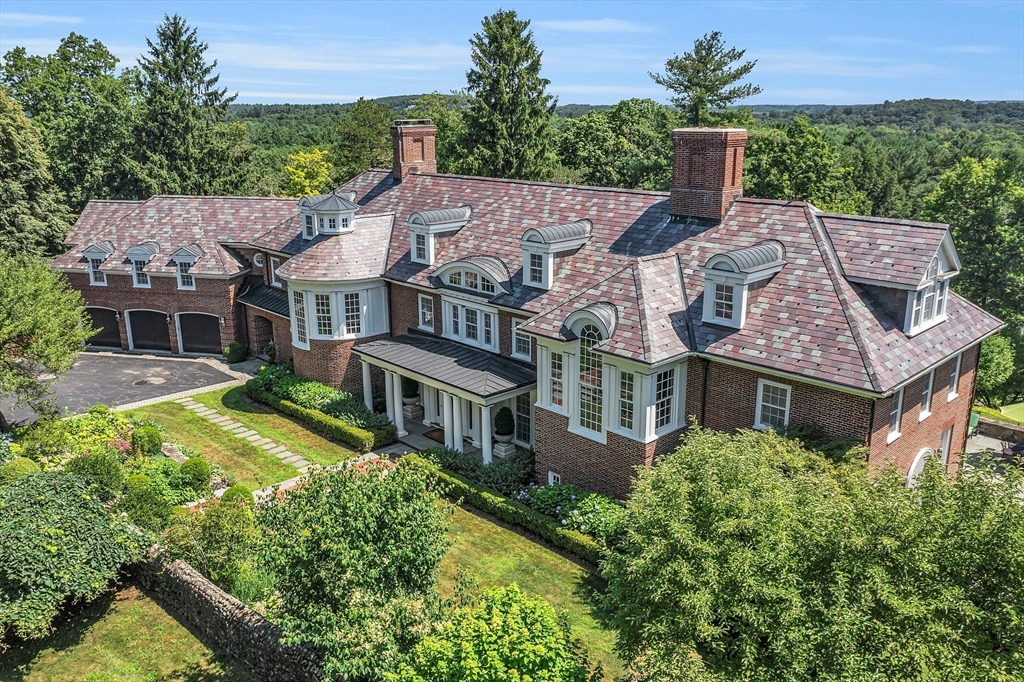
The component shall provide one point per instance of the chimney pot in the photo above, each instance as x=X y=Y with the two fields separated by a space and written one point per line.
x=412 y=141
x=707 y=171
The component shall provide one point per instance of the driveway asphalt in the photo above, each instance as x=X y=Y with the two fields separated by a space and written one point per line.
x=120 y=379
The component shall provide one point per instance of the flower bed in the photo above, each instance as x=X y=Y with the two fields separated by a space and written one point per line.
x=591 y=513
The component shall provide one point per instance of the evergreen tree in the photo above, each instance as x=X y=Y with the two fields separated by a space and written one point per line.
x=447 y=112
x=509 y=117
x=180 y=143
x=703 y=80
x=33 y=218
x=362 y=139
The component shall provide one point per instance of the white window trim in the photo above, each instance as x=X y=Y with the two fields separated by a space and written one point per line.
x=93 y=270
x=544 y=381
x=516 y=324
x=571 y=374
x=547 y=263
x=135 y=275
x=178 y=273
x=931 y=397
x=419 y=313
x=294 y=321
x=893 y=435
x=554 y=478
x=446 y=307
x=954 y=390
x=673 y=422
x=275 y=279
x=761 y=383
x=308 y=226
x=257 y=260
x=340 y=303
x=740 y=296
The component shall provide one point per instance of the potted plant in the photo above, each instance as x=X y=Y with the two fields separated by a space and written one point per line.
x=504 y=425
x=410 y=391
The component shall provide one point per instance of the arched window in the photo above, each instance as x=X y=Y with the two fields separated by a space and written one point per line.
x=918 y=466
x=591 y=390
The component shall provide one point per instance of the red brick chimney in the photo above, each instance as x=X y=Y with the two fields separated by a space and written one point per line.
x=413 y=144
x=707 y=171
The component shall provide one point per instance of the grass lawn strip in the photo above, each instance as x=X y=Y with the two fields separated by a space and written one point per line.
x=497 y=556
x=121 y=637
x=269 y=423
x=249 y=464
x=1015 y=412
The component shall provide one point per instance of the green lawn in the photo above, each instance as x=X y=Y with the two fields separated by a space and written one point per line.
x=500 y=557
x=1015 y=412
x=120 y=637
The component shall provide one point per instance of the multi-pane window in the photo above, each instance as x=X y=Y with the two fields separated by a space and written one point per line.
x=895 y=412
x=309 y=226
x=470 y=280
x=275 y=263
x=467 y=279
x=299 y=311
x=626 y=400
x=521 y=345
x=353 y=314
x=427 y=312
x=322 y=308
x=320 y=222
x=472 y=326
x=536 y=268
x=98 y=276
x=926 y=394
x=486 y=285
x=772 y=405
x=664 y=390
x=723 y=301
x=455 y=320
x=591 y=389
x=455 y=278
x=332 y=224
x=141 y=276
x=185 y=279
x=421 y=247
x=929 y=304
x=344 y=223
x=954 y=377
x=556 y=378
x=523 y=418
x=488 y=332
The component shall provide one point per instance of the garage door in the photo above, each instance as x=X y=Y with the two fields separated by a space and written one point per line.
x=200 y=333
x=149 y=330
x=105 y=320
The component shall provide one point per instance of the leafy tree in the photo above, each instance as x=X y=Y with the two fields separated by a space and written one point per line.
x=59 y=543
x=180 y=143
x=745 y=557
x=362 y=139
x=703 y=80
x=507 y=637
x=355 y=555
x=309 y=173
x=33 y=218
x=797 y=163
x=509 y=116
x=43 y=327
x=83 y=109
x=995 y=367
x=447 y=112
x=219 y=540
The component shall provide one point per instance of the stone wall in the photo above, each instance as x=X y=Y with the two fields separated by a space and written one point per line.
x=224 y=622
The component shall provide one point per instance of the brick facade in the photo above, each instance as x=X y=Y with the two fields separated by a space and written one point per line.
x=333 y=363
x=412 y=143
x=707 y=171
x=266 y=326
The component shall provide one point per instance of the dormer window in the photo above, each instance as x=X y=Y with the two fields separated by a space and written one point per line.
x=927 y=306
x=485 y=274
x=184 y=259
x=537 y=269
x=420 y=248
x=730 y=277
x=140 y=256
x=139 y=273
x=185 y=279
x=541 y=244
x=344 y=222
x=95 y=255
x=96 y=276
x=424 y=226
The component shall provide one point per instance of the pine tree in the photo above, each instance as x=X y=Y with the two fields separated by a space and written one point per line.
x=701 y=80
x=362 y=139
x=181 y=144
x=509 y=118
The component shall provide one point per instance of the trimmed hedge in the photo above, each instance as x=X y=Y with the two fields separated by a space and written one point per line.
x=490 y=501
x=362 y=440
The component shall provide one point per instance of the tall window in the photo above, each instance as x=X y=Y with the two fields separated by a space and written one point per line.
x=895 y=412
x=310 y=230
x=772 y=405
x=556 y=379
x=427 y=312
x=488 y=331
x=320 y=222
x=926 y=395
x=322 y=305
x=664 y=389
x=141 y=276
x=185 y=279
x=626 y=400
x=353 y=314
x=472 y=327
x=421 y=247
x=521 y=344
x=929 y=304
x=523 y=418
x=536 y=268
x=455 y=320
x=591 y=389
x=275 y=263
x=954 y=377
x=299 y=305
x=98 y=276
x=723 y=301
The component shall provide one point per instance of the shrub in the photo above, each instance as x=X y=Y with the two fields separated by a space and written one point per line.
x=271 y=352
x=102 y=469
x=147 y=440
x=238 y=494
x=597 y=515
x=551 y=499
x=217 y=540
x=309 y=394
x=504 y=422
x=6 y=451
x=52 y=442
x=59 y=544
x=410 y=387
x=234 y=352
x=252 y=584
x=143 y=503
x=507 y=476
x=16 y=468
x=195 y=473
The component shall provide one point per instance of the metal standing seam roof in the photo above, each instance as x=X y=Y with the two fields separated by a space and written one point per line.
x=152 y=248
x=106 y=247
x=271 y=299
x=441 y=216
x=553 y=234
x=334 y=202
x=479 y=372
x=761 y=256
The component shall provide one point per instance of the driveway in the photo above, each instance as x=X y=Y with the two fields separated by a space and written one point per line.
x=120 y=379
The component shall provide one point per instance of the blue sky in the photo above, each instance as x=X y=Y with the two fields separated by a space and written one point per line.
x=594 y=52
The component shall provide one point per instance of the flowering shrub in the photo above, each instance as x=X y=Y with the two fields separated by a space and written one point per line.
x=6 y=449
x=550 y=499
x=591 y=513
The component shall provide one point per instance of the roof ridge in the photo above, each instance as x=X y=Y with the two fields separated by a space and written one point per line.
x=642 y=309
x=217 y=196
x=879 y=219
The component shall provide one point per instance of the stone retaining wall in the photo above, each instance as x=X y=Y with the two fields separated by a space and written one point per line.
x=224 y=622
x=1001 y=430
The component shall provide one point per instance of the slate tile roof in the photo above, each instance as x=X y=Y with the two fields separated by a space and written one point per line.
x=884 y=250
x=359 y=254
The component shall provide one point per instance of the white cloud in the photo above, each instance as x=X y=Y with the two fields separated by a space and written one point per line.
x=22 y=19
x=349 y=56
x=593 y=26
x=810 y=63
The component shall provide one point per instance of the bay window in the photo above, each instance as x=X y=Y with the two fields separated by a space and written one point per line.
x=469 y=324
x=626 y=380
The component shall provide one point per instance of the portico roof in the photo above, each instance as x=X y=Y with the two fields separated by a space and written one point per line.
x=467 y=370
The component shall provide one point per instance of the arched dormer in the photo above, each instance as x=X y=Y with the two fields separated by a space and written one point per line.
x=424 y=226
x=184 y=258
x=140 y=255
x=96 y=254
x=603 y=315
x=730 y=277
x=484 y=274
x=541 y=244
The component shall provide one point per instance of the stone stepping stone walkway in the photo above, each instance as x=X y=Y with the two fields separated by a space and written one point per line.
x=239 y=430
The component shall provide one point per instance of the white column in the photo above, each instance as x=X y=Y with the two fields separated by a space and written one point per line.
x=486 y=432
x=367 y=386
x=389 y=392
x=446 y=410
x=399 y=414
x=457 y=423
